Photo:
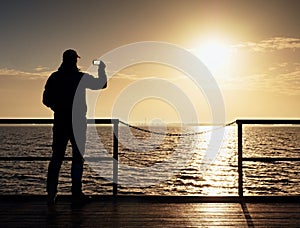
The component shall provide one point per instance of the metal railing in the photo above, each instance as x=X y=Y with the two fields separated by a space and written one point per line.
x=240 y=124
x=114 y=122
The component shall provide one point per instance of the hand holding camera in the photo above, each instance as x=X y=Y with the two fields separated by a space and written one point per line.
x=101 y=65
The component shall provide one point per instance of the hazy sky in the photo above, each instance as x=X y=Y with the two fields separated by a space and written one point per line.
x=251 y=47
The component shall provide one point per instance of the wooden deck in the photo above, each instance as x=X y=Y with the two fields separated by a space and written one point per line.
x=152 y=212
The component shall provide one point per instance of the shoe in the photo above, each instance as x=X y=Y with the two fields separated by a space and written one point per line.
x=51 y=199
x=80 y=200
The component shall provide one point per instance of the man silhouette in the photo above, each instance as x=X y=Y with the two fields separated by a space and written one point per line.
x=60 y=91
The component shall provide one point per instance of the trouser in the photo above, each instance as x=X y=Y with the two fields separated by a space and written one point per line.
x=62 y=134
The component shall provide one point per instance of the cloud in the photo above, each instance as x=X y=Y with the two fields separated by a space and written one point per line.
x=282 y=83
x=288 y=82
x=272 y=44
x=41 y=69
x=267 y=68
x=37 y=73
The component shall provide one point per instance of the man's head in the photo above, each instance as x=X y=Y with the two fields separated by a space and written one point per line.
x=70 y=56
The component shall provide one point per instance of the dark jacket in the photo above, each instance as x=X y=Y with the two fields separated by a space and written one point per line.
x=63 y=87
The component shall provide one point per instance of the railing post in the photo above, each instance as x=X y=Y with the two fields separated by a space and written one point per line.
x=240 y=158
x=115 y=155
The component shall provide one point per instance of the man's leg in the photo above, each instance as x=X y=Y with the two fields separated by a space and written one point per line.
x=76 y=172
x=78 y=198
x=60 y=141
x=78 y=148
x=78 y=145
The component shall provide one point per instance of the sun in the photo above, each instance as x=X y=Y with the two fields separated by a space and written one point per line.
x=213 y=53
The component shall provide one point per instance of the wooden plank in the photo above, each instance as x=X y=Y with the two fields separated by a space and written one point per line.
x=138 y=214
x=135 y=199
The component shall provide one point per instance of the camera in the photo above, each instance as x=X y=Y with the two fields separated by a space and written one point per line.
x=96 y=62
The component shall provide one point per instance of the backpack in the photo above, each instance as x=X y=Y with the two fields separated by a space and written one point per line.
x=49 y=94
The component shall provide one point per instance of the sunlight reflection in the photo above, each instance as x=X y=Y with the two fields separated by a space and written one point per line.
x=219 y=177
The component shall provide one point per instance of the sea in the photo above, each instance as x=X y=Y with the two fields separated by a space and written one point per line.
x=186 y=161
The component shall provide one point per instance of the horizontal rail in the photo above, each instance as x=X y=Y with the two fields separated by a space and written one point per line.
x=30 y=158
x=268 y=159
x=50 y=121
x=271 y=121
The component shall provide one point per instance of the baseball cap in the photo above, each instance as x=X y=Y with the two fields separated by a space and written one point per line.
x=70 y=54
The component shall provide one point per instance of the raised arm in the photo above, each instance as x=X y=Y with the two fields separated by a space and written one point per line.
x=101 y=74
x=96 y=83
